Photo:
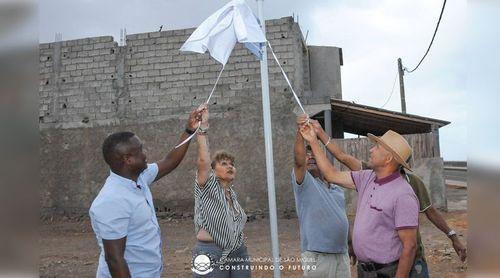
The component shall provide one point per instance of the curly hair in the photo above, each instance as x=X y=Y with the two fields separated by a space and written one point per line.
x=221 y=155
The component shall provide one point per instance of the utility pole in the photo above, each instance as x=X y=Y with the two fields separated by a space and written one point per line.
x=402 y=86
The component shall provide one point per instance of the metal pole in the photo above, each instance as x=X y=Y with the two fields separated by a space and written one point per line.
x=268 y=139
x=401 y=86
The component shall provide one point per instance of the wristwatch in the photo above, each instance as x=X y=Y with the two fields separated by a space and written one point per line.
x=451 y=233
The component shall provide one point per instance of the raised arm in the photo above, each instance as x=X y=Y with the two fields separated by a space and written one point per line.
x=175 y=156
x=330 y=173
x=299 y=153
x=348 y=160
x=203 y=162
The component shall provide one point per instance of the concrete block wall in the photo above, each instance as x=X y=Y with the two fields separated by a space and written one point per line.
x=77 y=81
x=92 y=82
x=92 y=87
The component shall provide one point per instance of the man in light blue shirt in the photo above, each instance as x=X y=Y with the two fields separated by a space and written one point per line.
x=323 y=221
x=123 y=215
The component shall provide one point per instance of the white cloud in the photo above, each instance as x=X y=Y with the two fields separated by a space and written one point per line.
x=374 y=36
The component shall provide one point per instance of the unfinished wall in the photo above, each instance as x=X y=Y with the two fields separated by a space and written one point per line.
x=324 y=65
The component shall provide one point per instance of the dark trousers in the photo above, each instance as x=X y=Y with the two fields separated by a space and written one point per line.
x=418 y=270
x=237 y=263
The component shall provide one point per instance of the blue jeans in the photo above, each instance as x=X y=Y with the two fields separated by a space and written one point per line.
x=419 y=269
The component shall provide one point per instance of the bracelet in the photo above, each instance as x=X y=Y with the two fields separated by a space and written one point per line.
x=328 y=142
x=202 y=131
x=189 y=131
x=451 y=233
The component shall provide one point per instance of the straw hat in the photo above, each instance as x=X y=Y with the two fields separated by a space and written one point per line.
x=396 y=145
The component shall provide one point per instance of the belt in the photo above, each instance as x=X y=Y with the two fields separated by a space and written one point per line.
x=371 y=266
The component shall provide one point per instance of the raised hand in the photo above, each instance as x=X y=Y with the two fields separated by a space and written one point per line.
x=308 y=133
x=316 y=125
x=204 y=116
x=194 y=119
x=192 y=122
x=302 y=119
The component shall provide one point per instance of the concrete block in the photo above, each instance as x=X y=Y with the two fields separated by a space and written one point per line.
x=88 y=47
x=76 y=73
x=178 y=58
x=143 y=36
x=431 y=171
x=143 y=48
x=154 y=35
x=83 y=54
x=165 y=59
x=153 y=72
x=166 y=72
x=162 y=40
x=149 y=54
x=160 y=66
x=87 y=72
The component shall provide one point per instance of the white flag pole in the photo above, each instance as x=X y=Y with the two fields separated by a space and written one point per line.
x=268 y=139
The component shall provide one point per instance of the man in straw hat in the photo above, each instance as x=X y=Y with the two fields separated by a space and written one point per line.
x=419 y=268
x=385 y=227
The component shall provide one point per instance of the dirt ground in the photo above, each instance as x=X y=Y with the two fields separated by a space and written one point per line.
x=68 y=248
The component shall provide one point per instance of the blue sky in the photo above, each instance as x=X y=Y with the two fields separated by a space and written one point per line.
x=372 y=34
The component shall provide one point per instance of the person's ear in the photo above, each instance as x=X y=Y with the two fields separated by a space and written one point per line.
x=126 y=159
x=388 y=159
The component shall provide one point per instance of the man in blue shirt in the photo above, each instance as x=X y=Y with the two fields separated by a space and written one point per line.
x=323 y=221
x=123 y=215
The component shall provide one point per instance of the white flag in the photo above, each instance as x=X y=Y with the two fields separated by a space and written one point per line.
x=235 y=22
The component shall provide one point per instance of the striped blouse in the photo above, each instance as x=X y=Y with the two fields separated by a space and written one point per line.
x=214 y=214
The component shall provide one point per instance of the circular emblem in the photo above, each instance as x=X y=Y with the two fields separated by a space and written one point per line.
x=202 y=264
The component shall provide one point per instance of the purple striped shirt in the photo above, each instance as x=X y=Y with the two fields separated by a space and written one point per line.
x=384 y=207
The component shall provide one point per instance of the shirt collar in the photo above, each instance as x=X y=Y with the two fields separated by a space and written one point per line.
x=130 y=182
x=387 y=179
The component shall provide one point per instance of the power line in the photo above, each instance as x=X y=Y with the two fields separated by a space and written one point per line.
x=433 y=36
x=392 y=91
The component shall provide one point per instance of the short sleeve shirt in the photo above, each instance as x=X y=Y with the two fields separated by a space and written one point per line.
x=418 y=186
x=384 y=207
x=317 y=202
x=124 y=208
x=424 y=200
x=214 y=214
